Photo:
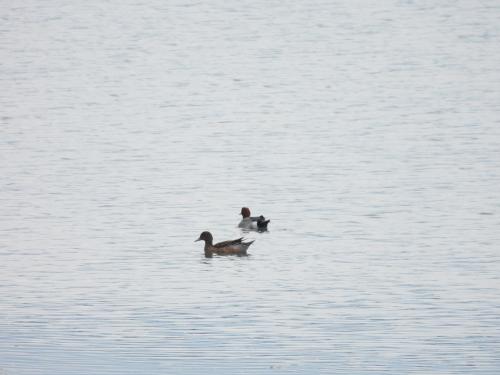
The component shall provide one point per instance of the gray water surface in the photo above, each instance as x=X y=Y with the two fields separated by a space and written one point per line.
x=368 y=132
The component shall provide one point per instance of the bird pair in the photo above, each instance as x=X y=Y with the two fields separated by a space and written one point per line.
x=238 y=246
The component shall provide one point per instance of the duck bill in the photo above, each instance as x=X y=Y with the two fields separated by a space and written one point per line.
x=199 y=239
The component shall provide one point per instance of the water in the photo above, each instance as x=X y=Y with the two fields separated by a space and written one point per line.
x=369 y=132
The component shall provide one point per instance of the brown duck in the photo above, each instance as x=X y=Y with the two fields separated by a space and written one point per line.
x=232 y=247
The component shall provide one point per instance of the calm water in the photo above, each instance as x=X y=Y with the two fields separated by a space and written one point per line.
x=369 y=132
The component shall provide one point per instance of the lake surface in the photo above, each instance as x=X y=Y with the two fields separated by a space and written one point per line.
x=368 y=132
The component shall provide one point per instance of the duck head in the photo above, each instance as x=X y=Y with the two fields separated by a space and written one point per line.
x=205 y=236
x=245 y=212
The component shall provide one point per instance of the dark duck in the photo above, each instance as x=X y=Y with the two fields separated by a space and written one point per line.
x=232 y=247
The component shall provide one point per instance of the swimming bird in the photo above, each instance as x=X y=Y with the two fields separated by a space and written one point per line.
x=258 y=223
x=232 y=247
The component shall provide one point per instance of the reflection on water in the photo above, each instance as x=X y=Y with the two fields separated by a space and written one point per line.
x=367 y=132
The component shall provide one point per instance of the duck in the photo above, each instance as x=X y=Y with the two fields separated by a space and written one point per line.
x=231 y=247
x=258 y=223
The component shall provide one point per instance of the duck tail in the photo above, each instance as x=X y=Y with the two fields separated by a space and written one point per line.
x=262 y=223
x=247 y=244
